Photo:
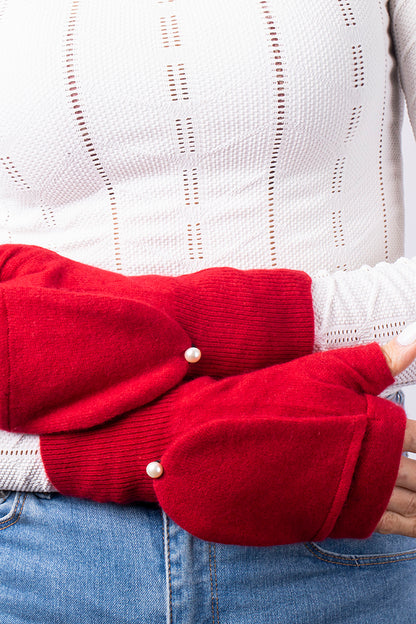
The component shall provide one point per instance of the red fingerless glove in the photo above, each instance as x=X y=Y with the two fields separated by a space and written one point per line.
x=291 y=453
x=80 y=345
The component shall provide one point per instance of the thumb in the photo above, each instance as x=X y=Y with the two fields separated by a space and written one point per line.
x=401 y=351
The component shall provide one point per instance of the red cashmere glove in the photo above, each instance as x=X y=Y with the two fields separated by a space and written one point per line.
x=291 y=453
x=80 y=345
x=91 y=345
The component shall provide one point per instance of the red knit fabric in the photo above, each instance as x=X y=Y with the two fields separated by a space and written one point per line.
x=285 y=454
x=269 y=454
x=91 y=344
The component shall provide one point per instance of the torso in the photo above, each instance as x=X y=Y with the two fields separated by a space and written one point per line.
x=173 y=135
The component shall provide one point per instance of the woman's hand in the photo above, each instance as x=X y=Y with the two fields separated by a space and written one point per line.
x=401 y=351
x=400 y=515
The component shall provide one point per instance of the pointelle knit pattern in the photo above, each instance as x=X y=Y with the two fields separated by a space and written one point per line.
x=168 y=137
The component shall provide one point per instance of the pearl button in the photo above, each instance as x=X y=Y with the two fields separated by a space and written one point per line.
x=192 y=355
x=154 y=470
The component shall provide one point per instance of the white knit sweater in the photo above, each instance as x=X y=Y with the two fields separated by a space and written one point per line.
x=167 y=136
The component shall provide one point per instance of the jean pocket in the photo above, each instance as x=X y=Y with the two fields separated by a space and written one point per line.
x=376 y=550
x=11 y=507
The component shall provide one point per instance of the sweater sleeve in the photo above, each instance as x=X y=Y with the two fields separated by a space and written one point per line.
x=403 y=30
x=91 y=344
x=374 y=303
x=291 y=453
x=366 y=305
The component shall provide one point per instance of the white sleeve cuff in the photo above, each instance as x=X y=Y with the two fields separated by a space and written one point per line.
x=365 y=305
x=21 y=467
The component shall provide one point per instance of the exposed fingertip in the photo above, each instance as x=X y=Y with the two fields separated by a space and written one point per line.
x=407 y=336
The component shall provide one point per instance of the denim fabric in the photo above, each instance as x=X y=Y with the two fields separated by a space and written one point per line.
x=68 y=561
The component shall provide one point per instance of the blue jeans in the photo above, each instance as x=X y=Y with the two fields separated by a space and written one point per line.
x=69 y=561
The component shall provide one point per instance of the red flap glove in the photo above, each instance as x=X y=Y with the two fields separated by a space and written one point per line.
x=80 y=345
x=295 y=452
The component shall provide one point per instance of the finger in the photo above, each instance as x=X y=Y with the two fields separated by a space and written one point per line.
x=401 y=351
x=403 y=502
x=406 y=477
x=396 y=524
x=409 y=443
